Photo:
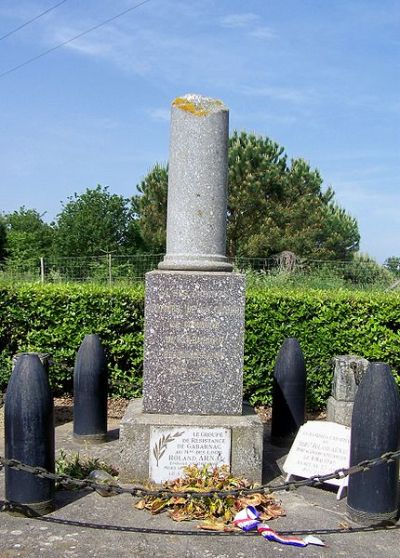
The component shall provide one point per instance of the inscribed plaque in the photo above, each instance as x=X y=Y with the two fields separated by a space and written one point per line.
x=320 y=447
x=172 y=449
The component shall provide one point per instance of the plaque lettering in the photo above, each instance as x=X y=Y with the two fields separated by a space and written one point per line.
x=172 y=449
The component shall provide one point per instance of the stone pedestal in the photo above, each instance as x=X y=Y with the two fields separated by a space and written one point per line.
x=193 y=343
x=348 y=371
x=139 y=444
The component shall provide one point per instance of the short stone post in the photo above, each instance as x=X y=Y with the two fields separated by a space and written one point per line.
x=373 y=495
x=348 y=371
x=90 y=391
x=197 y=185
x=289 y=393
x=29 y=434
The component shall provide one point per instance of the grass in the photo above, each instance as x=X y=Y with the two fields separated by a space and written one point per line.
x=79 y=467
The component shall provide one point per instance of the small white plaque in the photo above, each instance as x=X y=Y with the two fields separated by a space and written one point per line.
x=172 y=449
x=320 y=447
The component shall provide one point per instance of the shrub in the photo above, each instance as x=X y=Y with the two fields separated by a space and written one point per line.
x=55 y=318
x=326 y=323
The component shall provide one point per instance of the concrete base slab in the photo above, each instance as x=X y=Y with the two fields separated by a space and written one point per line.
x=85 y=525
x=246 y=440
x=339 y=411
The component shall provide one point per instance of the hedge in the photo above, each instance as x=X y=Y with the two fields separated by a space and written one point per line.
x=55 y=318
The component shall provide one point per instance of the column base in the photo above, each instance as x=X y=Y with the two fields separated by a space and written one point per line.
x=246 y=436
x=177 y=262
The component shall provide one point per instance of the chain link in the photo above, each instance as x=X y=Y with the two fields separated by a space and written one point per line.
x=115 y=488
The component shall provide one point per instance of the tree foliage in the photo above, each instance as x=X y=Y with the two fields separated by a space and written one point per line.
x=151 y=208
x=3 y=239
x=96 y=222
x=28 y=236
x=273 y=205
x=393 y=264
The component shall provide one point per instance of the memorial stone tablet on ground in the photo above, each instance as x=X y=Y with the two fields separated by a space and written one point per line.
x=320 y=447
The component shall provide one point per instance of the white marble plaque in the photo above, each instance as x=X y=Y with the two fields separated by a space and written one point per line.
x=172 y=449
x=320 y=447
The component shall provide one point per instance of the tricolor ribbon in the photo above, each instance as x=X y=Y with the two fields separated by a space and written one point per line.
x=248 y=519
x=272 y=535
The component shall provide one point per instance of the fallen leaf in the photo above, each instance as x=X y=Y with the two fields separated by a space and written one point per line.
x=212 y=525
x=158 y=505
x=178 y=500
x=251 y=500
x=275 y=510
x=179 y=515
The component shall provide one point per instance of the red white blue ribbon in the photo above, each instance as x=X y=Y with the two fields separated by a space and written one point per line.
x=248 y=519
x=272 y=535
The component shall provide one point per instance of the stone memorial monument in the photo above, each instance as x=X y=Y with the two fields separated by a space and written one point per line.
x=192 y=411
x=348 y=371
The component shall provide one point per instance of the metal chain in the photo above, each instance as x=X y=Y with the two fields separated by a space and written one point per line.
x=138 y=491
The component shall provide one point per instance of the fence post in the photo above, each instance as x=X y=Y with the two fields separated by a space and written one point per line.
x=42 y=269
x=109 y=269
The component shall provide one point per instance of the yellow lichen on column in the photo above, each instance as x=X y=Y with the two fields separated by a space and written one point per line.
x=198 y=105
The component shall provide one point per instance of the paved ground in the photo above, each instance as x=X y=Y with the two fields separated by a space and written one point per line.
x=87 y=525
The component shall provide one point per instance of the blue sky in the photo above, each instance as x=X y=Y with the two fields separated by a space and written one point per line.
x=322 y=78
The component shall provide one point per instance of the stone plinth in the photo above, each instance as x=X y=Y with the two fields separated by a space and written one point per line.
x=193 y=343
x=197 y=185
x=348 y=371
x=136 y=433
x=339 y=411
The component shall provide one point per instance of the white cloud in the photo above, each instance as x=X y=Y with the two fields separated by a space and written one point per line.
x=112 y=44
x=234 y=21
x=250 y=23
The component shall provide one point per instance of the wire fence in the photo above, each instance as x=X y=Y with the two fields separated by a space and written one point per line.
x=113 y=269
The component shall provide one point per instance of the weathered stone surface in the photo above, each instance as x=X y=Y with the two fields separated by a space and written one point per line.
x=348 y=371
x=193 y=348
x=246 y=440
x=197 y=185
x=339 y=411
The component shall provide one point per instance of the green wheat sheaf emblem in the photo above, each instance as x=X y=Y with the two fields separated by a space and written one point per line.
x=160 y=447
